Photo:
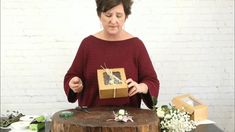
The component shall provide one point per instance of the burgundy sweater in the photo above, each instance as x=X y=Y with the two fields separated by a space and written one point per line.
x=129 y=54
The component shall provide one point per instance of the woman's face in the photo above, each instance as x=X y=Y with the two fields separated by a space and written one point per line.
x=113 y=20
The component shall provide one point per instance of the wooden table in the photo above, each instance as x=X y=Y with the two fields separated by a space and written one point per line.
x=208 y=128
x=96 y=120
x=200 y=128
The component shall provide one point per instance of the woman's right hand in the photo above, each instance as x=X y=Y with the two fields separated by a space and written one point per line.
x=76 y=84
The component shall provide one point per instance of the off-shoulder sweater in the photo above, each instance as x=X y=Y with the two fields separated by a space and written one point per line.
x=130 y=54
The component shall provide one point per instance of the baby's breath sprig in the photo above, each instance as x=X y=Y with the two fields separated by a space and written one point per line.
x=173 y=119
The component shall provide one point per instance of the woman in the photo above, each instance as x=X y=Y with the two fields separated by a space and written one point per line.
x=116 y=48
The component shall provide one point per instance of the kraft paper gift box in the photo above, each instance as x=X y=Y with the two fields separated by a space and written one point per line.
x=197 y=110
x=111 y=83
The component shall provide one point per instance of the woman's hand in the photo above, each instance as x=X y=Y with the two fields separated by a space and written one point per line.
x=136 y=88
x=76 y=84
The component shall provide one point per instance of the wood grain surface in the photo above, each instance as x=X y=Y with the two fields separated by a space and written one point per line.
x=97 y=120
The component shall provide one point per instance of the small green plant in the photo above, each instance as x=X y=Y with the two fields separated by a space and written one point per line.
x=9 y=118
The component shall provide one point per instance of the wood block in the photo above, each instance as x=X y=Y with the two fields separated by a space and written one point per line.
x=98 y=120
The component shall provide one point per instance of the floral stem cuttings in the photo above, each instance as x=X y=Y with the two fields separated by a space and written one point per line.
x=122 y=116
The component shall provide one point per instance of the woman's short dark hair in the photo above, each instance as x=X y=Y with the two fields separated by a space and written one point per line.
x=105 y=5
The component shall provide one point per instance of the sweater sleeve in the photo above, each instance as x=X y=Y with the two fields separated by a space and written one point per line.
x=147 y=75
x=76 y=69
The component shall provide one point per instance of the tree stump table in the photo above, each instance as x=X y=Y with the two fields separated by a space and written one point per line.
x=98 y=120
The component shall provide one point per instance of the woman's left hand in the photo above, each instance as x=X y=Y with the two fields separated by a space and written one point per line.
x=136 y=88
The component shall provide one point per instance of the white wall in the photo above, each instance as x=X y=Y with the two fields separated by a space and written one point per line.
x=191 y=43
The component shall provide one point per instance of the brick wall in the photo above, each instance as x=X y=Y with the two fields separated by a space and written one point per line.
x=191 y=44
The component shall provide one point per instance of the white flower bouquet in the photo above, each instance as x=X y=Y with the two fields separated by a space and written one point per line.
x=122 y=116
x=174 y=120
